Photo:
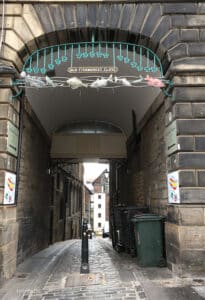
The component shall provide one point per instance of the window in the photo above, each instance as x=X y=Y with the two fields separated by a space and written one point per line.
x=99 y=196
x=99 y=225
x=99 y=205
x=99 y=215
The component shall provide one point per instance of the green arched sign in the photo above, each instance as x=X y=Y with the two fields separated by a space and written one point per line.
x=137 y=57
x=96 y=58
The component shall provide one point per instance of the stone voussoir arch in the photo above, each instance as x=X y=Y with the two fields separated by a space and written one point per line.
x=34 y=26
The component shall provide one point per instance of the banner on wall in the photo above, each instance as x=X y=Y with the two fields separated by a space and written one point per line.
x=173 y=187
x=9 y=188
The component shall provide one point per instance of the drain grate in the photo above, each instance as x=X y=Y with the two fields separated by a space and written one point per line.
x=77 y=279
x=21 y=275
x=198 y=280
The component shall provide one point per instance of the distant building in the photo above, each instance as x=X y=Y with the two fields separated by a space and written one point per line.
x=66 y=203
x=101 y=201
x=87 y=211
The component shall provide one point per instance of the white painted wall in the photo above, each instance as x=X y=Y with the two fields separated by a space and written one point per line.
x=99 y=199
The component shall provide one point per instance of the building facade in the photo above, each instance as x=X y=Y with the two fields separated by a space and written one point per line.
x=87 y=211
x=169 y=138
x=101 y=201
x=99 y=212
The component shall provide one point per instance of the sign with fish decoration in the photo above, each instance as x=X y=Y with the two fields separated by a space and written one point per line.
x=173 y=187
x=96 y=58
x=9 y=188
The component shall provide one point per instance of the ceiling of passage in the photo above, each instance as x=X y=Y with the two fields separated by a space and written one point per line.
x=56 y=107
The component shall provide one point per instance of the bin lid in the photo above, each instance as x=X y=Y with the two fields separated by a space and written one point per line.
x=146 y=217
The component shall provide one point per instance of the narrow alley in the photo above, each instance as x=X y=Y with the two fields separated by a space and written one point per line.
x=54 y=273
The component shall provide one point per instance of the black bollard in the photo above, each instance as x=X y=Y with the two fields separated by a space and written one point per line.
x=84 y=269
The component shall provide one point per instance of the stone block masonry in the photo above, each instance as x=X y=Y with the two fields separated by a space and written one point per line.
x=9 y=112
x=185 y=222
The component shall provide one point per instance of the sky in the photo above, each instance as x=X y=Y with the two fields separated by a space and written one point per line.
x=93 y=170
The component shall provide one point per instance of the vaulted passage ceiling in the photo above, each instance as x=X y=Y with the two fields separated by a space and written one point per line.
x=56 y=107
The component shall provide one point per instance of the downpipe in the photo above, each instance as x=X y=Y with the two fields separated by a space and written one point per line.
x=19 y=149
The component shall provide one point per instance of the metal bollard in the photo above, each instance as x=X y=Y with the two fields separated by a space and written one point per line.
x=84 y=269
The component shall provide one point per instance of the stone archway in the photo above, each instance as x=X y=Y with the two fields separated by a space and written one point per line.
x=40 y=25
x=175 y=33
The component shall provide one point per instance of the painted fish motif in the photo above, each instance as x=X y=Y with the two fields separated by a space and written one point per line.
x=138 y=80
x=75 y=83
x=101 y=82
x=32 y=81
x=151 y=81
x=123 y=81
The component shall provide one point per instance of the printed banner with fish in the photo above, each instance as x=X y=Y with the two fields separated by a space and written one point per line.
x=9 y=188
x=173 y=187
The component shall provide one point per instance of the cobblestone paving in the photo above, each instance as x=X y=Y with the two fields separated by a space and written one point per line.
x=54 y=273
x=103 y=282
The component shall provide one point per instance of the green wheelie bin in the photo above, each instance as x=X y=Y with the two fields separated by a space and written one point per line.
x=148 y=230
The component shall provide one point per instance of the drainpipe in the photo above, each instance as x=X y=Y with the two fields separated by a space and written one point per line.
x=19 y=149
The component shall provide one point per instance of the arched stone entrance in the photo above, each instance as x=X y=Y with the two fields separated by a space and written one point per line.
x=175 y=32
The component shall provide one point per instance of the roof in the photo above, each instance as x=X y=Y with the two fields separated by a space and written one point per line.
x=89 y=191
x=103 y=172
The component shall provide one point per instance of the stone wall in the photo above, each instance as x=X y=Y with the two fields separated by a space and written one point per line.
x=175 y=31
x=146 y=165
x=186 y=222
x=152 y=172
x=34 y=194
x=185 y=238
x=9 y=114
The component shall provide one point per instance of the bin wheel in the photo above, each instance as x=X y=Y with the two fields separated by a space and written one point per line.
x=133 y=252
x=118 y=248
x=162 y=262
